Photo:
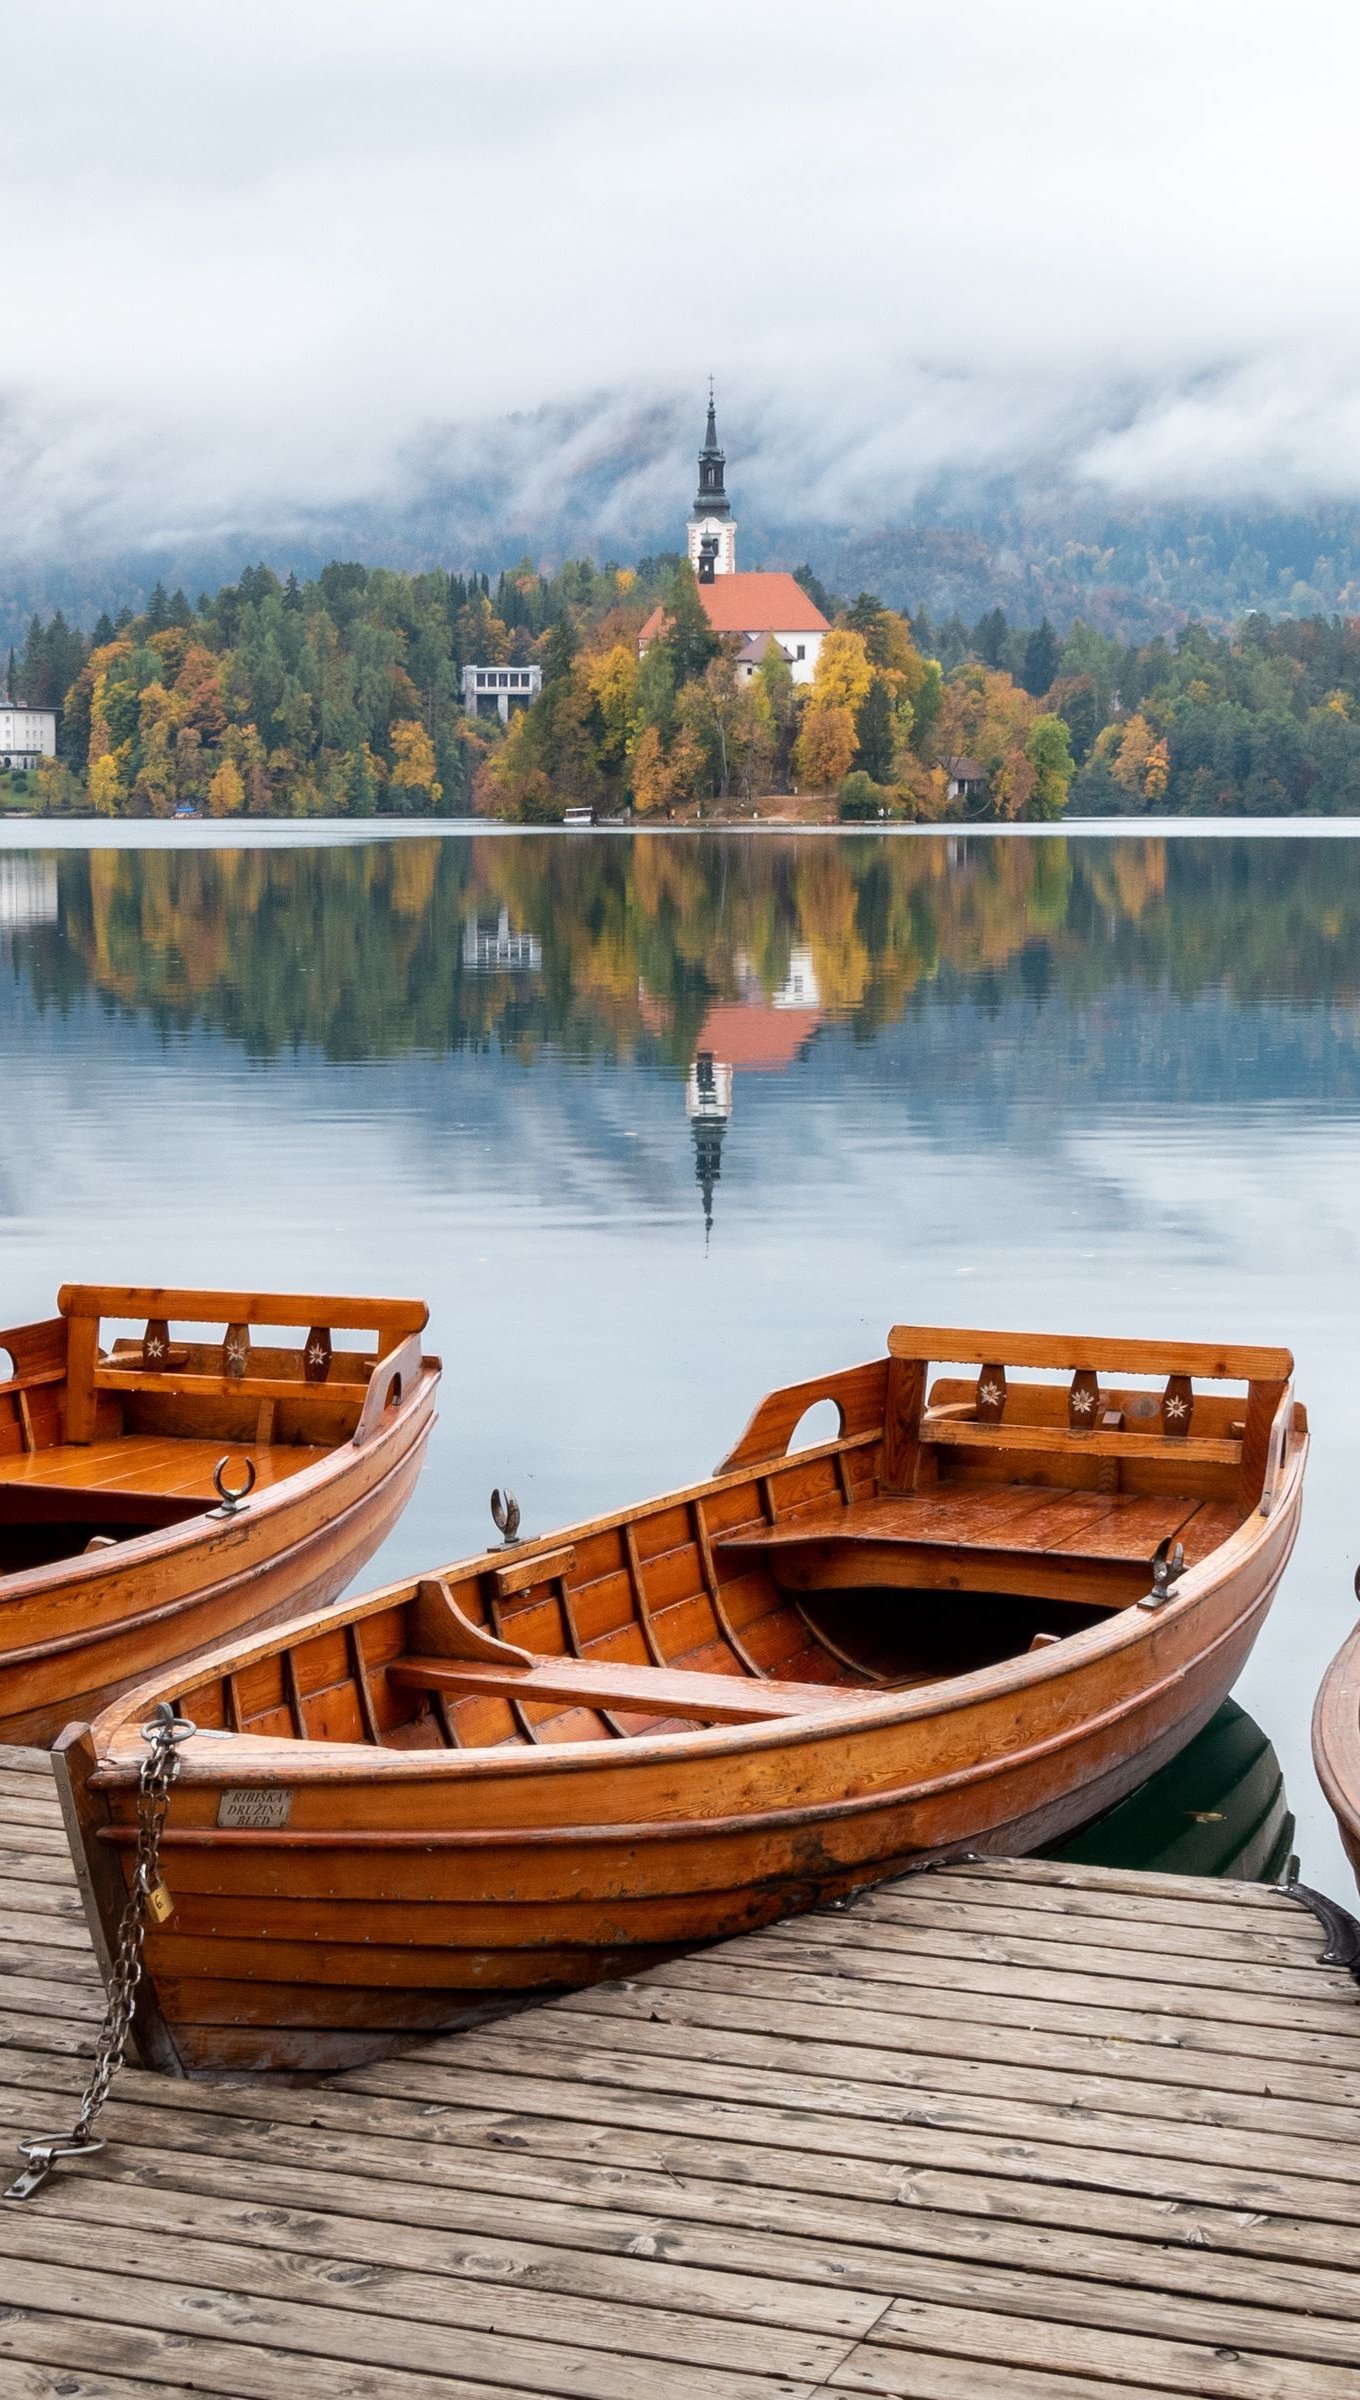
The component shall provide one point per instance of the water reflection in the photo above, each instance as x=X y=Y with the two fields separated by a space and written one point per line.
x=723 y=960
x=670 y=946
x=659 y=1123
x=1218 y=1809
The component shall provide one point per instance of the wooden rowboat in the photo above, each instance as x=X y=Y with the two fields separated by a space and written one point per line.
x=967 y=1622
x=116 y=1552
x=1336 y=1742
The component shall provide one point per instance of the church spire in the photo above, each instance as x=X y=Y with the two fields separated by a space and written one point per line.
x=711 y=499
x=712 y=526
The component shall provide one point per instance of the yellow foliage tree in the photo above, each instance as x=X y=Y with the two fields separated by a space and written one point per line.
x=826 y=744
x=653 y=784
x=106 y=788
x=227 y=791
x=413 y=752
x=611 y=678
x=844 y=670
x=1138 y=760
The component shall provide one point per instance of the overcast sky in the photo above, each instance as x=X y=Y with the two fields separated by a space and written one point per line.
x=276 y=256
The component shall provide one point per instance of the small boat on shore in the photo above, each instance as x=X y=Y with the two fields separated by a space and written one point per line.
x=979 y=1614
x=1336 y=1742
x=161 y=1494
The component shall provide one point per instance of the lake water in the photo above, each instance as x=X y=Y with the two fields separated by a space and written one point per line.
x=1105 y=1081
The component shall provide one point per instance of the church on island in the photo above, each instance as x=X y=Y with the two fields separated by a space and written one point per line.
x=759 y=609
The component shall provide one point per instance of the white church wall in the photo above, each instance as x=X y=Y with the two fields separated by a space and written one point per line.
x=804 y=650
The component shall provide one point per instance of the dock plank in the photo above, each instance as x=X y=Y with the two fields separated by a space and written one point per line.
x=1011 y=2128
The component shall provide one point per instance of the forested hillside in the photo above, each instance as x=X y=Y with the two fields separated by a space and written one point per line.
x=343 y=696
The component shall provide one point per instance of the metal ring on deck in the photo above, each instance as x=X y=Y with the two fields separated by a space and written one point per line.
x=61 y=2145
x=233 y=1498
x=167 y=1726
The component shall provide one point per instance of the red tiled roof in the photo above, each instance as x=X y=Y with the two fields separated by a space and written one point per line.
x=757 y=1037
x=760 y=604
x=773 y=603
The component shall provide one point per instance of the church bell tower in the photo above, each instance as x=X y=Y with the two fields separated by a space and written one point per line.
x=712 y=528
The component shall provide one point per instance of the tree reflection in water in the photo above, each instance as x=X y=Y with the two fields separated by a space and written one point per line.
x=653 y=944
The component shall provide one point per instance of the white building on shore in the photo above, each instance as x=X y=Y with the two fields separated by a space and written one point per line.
x=26 y=735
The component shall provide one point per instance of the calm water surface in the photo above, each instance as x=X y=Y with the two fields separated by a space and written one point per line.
x=658 y=1122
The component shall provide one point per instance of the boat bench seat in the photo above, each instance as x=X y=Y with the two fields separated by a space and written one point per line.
x=1016 y=1519
x=146 y=1465
x=607 y=1683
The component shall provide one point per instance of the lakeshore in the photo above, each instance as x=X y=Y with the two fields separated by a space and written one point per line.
x=246 y=833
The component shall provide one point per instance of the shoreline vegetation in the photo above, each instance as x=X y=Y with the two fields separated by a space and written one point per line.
x=341 y=697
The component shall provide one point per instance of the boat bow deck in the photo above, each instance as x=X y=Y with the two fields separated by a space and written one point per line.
x=163 y=1466
x=998 y=1519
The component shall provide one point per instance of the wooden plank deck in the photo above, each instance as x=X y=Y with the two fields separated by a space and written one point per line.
x=1014 y=2132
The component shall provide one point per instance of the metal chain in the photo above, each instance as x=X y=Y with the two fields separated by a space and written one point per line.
x=159 y=1768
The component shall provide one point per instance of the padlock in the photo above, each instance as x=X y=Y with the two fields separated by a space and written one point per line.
x=160 y=1906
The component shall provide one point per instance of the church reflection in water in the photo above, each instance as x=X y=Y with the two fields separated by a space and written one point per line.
x=757 y=1034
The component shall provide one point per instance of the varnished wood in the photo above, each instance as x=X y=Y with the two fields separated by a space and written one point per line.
x=1336 y=1744
x=1265 y=1427
x=88 y=1301
x=639 y=1589
x=82 y=1351
x=1040 y=1441
x=857 y=1393
x=659 y=1691
x=713 y=1587
x=903 y=1404
x=520 y=1575
x=702 y=1713
x=1233 y=1363
x=439 y=1618
x=112 y=1562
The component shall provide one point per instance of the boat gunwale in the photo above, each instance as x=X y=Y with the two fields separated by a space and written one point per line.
x=1336 y=1732
x=267 y=1760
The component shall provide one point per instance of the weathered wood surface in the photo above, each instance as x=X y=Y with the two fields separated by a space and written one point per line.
x=1010 y=2132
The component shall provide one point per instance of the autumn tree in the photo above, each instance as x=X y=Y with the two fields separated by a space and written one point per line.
x=826 y=745
x=413 y=768
x=227 y=791
x=828 y=735
x=650 y=779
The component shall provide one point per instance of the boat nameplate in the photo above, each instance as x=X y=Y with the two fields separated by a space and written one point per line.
x=254 y=1811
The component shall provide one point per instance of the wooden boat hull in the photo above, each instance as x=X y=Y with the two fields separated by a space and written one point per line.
x=1336 y=1744
x=403 y=1889
x=76 y=1633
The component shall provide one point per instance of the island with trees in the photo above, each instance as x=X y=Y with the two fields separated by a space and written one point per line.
x=343 y=696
